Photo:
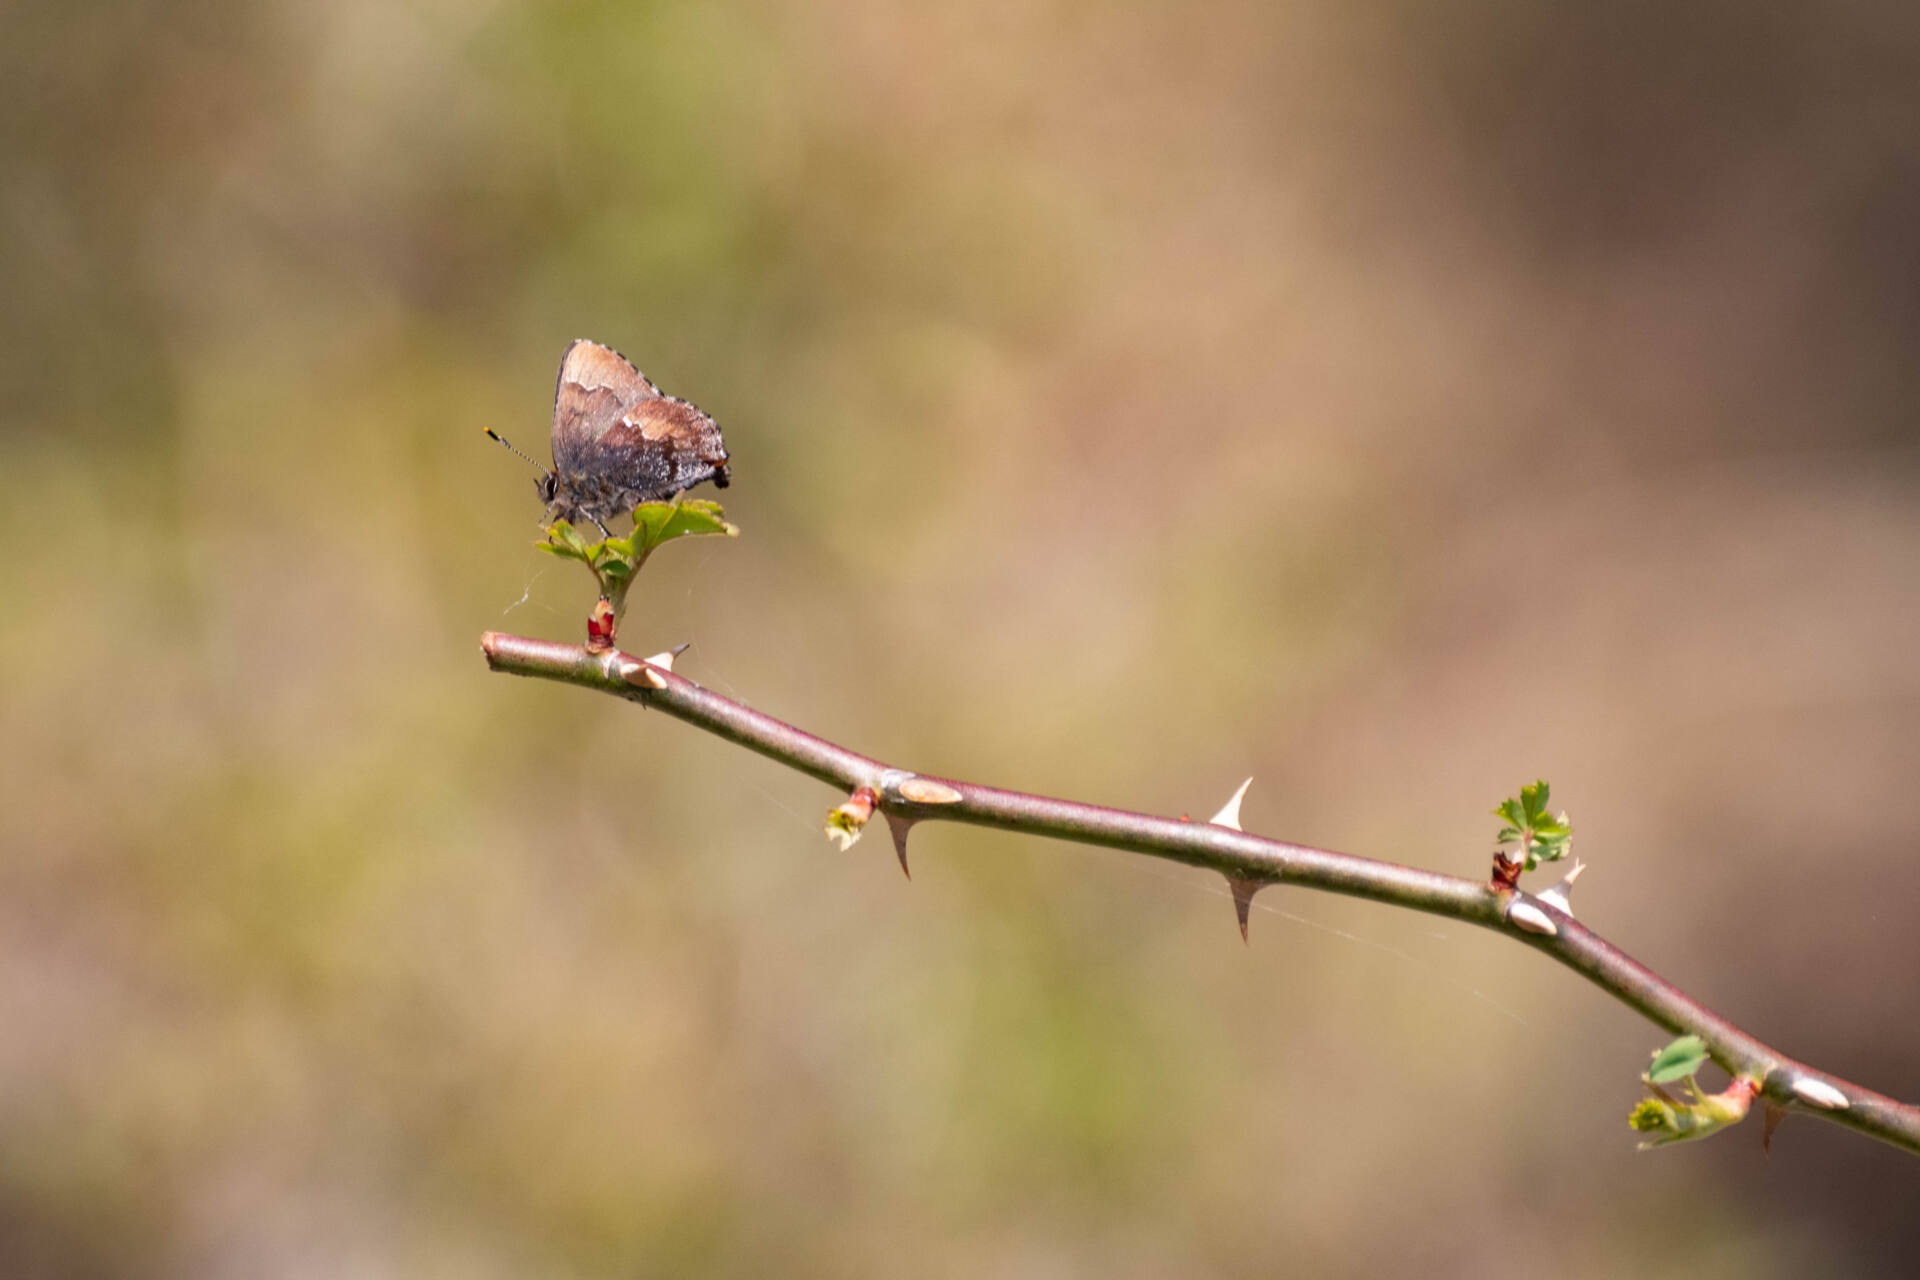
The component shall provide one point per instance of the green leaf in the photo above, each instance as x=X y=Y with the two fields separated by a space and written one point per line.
x=1678 y=1060
x=1539 y=835
x=616 y=562
x=564 y=540
x=658 y=522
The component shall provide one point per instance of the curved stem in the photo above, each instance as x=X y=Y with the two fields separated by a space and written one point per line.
x=1242 y=858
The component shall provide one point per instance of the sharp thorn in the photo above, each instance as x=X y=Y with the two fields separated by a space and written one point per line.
x=899 y=826
x=1229 y=815
x=665 y=660
x=1773 y=1114
x=1561 y=895
x=1243 y=891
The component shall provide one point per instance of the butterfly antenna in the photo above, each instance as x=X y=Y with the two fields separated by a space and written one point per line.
x=498 y=438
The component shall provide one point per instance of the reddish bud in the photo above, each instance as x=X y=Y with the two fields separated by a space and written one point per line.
x=1506 y=873
x=600 y=626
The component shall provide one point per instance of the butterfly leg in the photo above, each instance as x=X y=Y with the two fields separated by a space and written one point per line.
x=604 y=531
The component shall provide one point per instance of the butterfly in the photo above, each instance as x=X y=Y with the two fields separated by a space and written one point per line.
x=618 y=442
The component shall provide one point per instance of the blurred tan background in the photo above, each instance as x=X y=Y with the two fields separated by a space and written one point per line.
x=1394 y=403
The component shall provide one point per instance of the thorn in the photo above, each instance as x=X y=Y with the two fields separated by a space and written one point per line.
x=1229 y=815
x=1524 y=915
x=899 y=826
x=642 y=675
x=1243 y=891
x=1559 y=897
x=1772 y=1114
x=1818 y=1093
x=665 y=660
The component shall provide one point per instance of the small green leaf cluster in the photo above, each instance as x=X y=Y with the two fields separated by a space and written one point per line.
x=616 y=561
x=1539 y=835
x=1667 y=1118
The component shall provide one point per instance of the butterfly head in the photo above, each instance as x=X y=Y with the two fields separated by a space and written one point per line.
x=563 y=503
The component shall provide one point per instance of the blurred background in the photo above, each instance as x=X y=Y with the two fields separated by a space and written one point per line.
x=1394 y=403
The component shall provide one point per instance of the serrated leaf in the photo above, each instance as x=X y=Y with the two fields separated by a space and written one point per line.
x=1678 y=1060
x=616 y=562
x=1506 y=834
x=1512 y=812
x=658 y=522
x=564 y=540
x=1533 y=800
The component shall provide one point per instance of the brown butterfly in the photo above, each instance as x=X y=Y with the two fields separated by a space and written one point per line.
x=618 y=442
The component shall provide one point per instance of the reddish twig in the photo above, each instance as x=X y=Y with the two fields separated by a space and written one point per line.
x=1247 y=861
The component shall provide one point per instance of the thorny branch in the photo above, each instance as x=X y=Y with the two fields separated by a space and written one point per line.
x=1248 y=862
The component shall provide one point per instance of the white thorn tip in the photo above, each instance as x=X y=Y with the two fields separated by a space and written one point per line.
x=1229 y=815
x=1561 y=895
x=1818 y=1093
x=1531 y=918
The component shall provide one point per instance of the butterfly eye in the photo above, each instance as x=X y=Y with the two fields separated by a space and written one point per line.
x=546 y=485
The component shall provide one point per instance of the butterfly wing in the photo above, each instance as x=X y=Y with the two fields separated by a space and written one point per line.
x=661 y=446
x=595 y=388
x=617 y=441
